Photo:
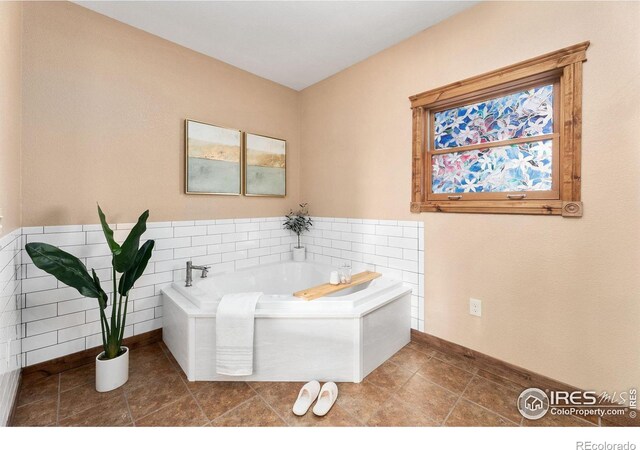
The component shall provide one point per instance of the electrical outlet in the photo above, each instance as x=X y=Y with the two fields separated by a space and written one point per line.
x=475 y=307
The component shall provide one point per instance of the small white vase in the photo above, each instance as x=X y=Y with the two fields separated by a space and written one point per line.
x=299 y=254
x=112 y=373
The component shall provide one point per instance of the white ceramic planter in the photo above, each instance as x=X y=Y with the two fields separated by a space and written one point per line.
x=112 y=373
x=299 y=254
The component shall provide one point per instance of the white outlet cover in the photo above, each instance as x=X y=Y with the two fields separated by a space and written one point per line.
x=475 y=307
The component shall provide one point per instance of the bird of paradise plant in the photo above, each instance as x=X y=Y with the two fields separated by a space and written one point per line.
x=129 y=261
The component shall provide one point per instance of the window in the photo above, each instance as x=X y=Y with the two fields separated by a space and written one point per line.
x=504 y=142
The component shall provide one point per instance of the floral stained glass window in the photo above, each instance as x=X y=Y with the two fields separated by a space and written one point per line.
x=519 y=167
x=517 y=130
x=502 y=142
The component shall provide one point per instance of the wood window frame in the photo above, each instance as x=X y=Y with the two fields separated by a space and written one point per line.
x=563 y=69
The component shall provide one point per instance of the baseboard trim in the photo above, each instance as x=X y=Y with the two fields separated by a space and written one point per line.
x=517 y=375
x=67 y=362
x=14 y=405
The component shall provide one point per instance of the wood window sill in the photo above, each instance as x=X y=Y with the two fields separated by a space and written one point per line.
x=535 y=207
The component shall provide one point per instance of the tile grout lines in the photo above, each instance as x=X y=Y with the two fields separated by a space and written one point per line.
x=360 y=420
x=125 y=392
x=166 y=354
x=232 y=409
x=256 y=392
x=126 y=401
x=484 y=407
x=394 y=391
x=457 y=400
x=195 y=399
x=460 y=396
x=190 y=393
x=477 y=375
x=269 y=405
x=186 y=385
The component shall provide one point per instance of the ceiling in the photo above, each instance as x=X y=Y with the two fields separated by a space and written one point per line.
x=295 y=44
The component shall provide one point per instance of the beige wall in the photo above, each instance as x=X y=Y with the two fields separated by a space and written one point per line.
x=10 y=113
x=104 y=106
x=560 y=297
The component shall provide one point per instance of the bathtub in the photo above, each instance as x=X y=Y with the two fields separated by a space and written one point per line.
x=340 y=337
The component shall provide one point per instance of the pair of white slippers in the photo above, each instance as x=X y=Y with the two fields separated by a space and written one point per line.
x=310 y=392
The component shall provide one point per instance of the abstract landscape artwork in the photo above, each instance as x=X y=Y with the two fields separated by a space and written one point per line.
x=265 y=165
x=212 y=159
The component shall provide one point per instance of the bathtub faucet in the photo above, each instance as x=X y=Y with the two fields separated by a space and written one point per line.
x=190 y=267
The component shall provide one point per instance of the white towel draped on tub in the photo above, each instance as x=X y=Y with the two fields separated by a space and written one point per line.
x=234 y=333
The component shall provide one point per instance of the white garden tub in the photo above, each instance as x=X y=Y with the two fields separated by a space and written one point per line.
x=341 y=337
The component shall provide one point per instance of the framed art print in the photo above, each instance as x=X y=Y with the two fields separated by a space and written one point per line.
x=213 y=159
x=265 y=164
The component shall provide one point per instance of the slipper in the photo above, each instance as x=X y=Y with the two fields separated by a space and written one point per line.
x=306 y=397
x=326 y=399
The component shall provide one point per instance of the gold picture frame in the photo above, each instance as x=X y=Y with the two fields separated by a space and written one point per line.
x=213 y=159
x=264 y=166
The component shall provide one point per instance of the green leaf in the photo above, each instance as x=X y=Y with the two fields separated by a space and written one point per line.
x=128 y=279
x=108 y=234
x=65 y=267
x=124 y=260
x=102 y=298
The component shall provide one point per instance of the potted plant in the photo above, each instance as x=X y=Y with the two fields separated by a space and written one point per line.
x=129 y=261
x=298 y=222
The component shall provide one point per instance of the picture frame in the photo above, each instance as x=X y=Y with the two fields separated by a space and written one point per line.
x=264 y=166
x=213 y=159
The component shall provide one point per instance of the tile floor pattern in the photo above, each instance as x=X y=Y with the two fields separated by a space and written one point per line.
x=418 y=386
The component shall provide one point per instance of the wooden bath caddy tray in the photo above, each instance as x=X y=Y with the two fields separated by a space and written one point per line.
x=327 y=288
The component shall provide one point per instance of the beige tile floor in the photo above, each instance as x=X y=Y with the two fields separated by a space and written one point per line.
x=418 y=386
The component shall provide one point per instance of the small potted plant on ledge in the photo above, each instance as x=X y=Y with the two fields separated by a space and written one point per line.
x=129 y=261
x=298 y=222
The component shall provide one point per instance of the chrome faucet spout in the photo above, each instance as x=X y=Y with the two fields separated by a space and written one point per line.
x=190 y=267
